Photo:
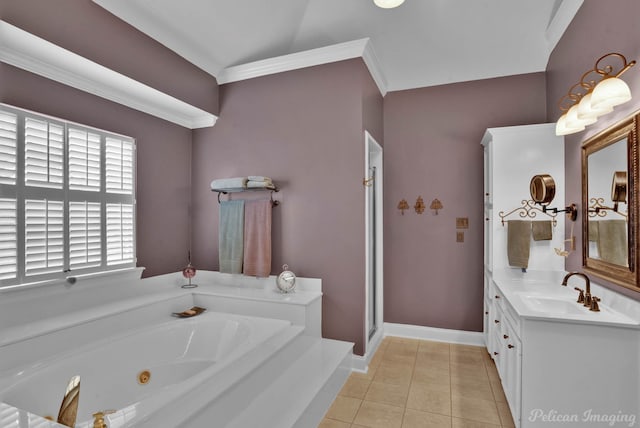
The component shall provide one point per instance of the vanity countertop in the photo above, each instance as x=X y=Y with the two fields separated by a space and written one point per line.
x=540 y=296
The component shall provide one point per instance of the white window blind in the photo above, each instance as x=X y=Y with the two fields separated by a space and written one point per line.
x=119 y=166
x=119 y=233
x=84 y=160
x=8 y=147
x=67 y=202
x=8 y=239
x=85 y=248
x=44 y=153
x=44 y=236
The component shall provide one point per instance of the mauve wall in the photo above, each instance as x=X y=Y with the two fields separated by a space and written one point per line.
x=432 y=149
x=598 y=28
x=163 y=149
x=303 y=128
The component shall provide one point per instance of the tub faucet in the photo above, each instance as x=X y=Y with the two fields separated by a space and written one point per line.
x=587 y=295
x=98 y=421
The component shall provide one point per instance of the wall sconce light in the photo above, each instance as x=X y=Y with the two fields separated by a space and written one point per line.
x=436 y=205
x=599 y=90
x=403 y=205
x=419 y=206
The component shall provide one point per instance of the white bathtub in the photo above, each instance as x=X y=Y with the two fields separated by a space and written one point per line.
x=182 y=356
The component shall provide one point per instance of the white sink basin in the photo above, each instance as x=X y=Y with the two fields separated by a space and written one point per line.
x=551 y=305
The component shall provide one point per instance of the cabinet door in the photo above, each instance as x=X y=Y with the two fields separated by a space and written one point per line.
x=511 y=363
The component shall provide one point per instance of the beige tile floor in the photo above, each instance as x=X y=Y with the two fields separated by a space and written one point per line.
x=422 y=384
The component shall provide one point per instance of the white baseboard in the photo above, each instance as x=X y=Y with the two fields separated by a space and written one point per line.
x=436 y=334
x=360 y=363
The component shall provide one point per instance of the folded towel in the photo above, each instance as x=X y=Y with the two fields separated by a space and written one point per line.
x=231 y=236
x=257 y=238
x=259 y=185
x=258 y=178
x=542 y=230
x=518 y=242
x=229 y=183
x=612 y=241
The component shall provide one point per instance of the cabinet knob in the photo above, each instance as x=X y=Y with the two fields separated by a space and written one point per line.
x=496 y=321
x=497 y=296
x=486 y=194
x=486 y=312
x=504 y=336
x=486 y=219
x=510 y=346
x=495 y=353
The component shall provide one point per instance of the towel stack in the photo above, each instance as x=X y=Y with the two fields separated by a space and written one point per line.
x=229 y=183
x=250 y=182
x=259 y=182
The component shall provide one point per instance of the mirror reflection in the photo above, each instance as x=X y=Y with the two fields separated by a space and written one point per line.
x=608 y=212
x=610 y=207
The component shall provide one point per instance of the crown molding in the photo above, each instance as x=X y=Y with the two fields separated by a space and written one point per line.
x=561 y=20
x=325 y=55
x=24 y=50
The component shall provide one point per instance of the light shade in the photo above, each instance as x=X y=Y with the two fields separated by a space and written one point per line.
x=563 y=129
x=574 y=122
x=610 y=92
x=388 y=4
x=587 y=111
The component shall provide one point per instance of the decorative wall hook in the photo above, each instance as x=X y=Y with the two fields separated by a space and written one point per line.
x=436 y=205
x=368 y=182
x=403 y=205
x=419 y=206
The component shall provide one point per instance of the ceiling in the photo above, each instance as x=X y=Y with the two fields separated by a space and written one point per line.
x=421 y=43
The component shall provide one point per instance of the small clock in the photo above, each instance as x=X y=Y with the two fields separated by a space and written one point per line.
x=286 y=281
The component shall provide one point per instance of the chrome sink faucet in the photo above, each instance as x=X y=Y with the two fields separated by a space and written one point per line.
x=587 y=296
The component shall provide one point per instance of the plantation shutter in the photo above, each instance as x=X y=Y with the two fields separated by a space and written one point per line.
x=85 y=242
x=44 y=236
x=84 y=160
x=44 y=153
x=8 y=147
x=67 y=198
x=119 y=166
x=119 y=233
x=8 y=239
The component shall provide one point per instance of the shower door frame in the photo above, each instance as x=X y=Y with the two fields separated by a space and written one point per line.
x=374 y=256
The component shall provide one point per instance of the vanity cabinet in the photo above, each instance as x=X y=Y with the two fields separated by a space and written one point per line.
x=561 y=371
x=557 y=369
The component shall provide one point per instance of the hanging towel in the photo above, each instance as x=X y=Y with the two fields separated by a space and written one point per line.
x=229 y=183
x=542 y=230
x=612 y=241
x=593 y=231
x=518 y=242
x=257 y=238
x=231 y=236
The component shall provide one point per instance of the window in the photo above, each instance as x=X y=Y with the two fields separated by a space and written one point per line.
x=67 y=198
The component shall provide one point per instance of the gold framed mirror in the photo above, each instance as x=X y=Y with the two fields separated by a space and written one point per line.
x=610 y=204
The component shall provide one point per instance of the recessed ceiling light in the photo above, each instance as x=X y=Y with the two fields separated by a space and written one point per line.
x=388 y=4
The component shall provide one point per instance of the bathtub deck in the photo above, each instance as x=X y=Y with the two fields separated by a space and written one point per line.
x=304 y=391
x=294 y=391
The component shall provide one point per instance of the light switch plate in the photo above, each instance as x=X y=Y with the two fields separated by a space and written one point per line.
x=462 y=223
